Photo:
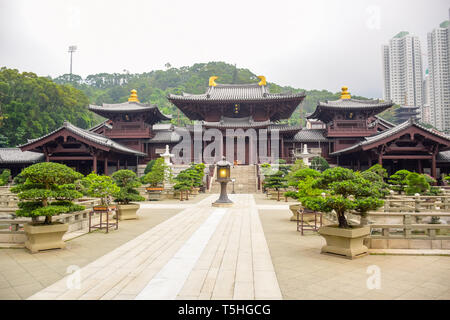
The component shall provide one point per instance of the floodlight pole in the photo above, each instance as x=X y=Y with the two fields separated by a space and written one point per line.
x=72 y=49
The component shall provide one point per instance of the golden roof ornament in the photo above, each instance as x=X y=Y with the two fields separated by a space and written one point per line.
x=133 y=96
x=212 y=82
x=345 y=94
x=263 y=81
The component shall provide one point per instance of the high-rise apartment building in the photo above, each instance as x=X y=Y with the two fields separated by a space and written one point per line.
x=439 y=81
x=402 y=70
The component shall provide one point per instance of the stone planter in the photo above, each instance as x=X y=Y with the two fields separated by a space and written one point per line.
x=347 y=243
x=45 y=237
x=127 y=211
x=154 y=193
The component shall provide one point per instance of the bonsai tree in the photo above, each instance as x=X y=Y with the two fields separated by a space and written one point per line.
x=276 y=181
x=100 y=186
x=294 y=177
x=184 y=182
x=319 y=163
x=47 y=189
x=398 y=180
x=149 y=166
x=347 y=191
x=379 y=170
x=4 y=177
x=127 y=182
x=199 y=172
x=156 y=175
x=416 y=183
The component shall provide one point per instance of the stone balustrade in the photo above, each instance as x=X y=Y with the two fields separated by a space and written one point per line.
x=405 y=230
x=11 y=230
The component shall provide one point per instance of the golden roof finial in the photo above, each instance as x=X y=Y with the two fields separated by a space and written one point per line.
x=212 y=82
x=133 y=96
x=263 y=81
x=345 y=94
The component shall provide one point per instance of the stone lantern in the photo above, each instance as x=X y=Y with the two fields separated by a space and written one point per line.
x=223 y=177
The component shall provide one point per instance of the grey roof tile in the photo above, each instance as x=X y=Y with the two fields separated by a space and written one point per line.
x=15 y=155
x=91 y=136
x=310 y=135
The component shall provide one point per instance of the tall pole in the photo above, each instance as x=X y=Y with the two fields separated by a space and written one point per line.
x=72 y=49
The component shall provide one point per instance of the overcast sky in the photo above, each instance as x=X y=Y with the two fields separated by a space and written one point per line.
x=320 y=44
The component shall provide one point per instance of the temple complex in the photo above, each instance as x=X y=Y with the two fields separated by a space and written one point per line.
x=346 y=132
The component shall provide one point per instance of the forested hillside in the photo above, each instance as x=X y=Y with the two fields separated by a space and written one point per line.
x=154 y=86
x=32 y=106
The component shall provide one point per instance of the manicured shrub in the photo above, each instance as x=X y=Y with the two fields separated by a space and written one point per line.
x=319 y=163
x=100 y=186
x=4 y=177
x=157 y=174
x=127 y=181
x=47 y=189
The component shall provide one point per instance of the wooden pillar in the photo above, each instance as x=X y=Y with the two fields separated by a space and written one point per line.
x=118 y=164
x=419 y=166
x=94 y=163
x=106 y=166
x=358 y=164
x=282 y=148
x=433 y=166
x=126 y=164
x=380 y=159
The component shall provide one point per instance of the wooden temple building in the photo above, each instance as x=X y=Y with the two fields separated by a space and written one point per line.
x=347 y=132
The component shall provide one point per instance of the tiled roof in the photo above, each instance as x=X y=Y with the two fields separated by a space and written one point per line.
x=102 y=124
x=129 y=107
x=390 y=132
x=15 y=155
x=385 y=122
x=310 y=135
x=323 y=108
x=164 y=136
x=443 y=156
x=91 y=136
x=236 y=92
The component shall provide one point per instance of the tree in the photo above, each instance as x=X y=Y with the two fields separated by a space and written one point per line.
x=149 y=166
x=379 y=170
x=417 y=183
x=47 y=189
x=398 y=180
x=127 y=181
x=320 y=164
x=184 y=182
x=100 y=186
x=347 y=190
x=4 y=177
x=157 y=173
x=276 y=181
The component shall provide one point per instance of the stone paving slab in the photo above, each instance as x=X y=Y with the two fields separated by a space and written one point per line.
x=201 y=253
x=303 y=273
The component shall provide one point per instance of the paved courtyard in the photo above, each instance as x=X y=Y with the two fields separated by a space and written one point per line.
x=191 y=250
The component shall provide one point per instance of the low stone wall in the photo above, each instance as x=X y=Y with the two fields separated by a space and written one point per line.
x=11 y=230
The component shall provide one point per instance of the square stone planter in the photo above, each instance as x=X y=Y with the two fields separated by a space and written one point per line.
x=127 y=211
x=45 y=237
x=347 y=243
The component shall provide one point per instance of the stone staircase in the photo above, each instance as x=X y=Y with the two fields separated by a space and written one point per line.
x=246 y=180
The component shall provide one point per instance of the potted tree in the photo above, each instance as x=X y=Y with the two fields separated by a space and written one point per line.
x=398 y=181
x=184 y=183
x=198 y=174
x=276 y=181
x=100 y=186
x=45 y=190
x=347 y=190
x=155 y=178
x=127 y=181
x=303 y=179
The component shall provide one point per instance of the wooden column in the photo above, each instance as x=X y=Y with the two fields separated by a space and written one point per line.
x=118 y=164
x=419 y=166
x=94 y=163
x=126 y=164
x=106 y=166
x=380 y=159
x=433 y=166
x=282 y=148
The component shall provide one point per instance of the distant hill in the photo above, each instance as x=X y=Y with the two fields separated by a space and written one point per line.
x=31 y=106
x=154 y=86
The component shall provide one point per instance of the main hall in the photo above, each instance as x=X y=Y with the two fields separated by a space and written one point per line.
x=346 y=132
